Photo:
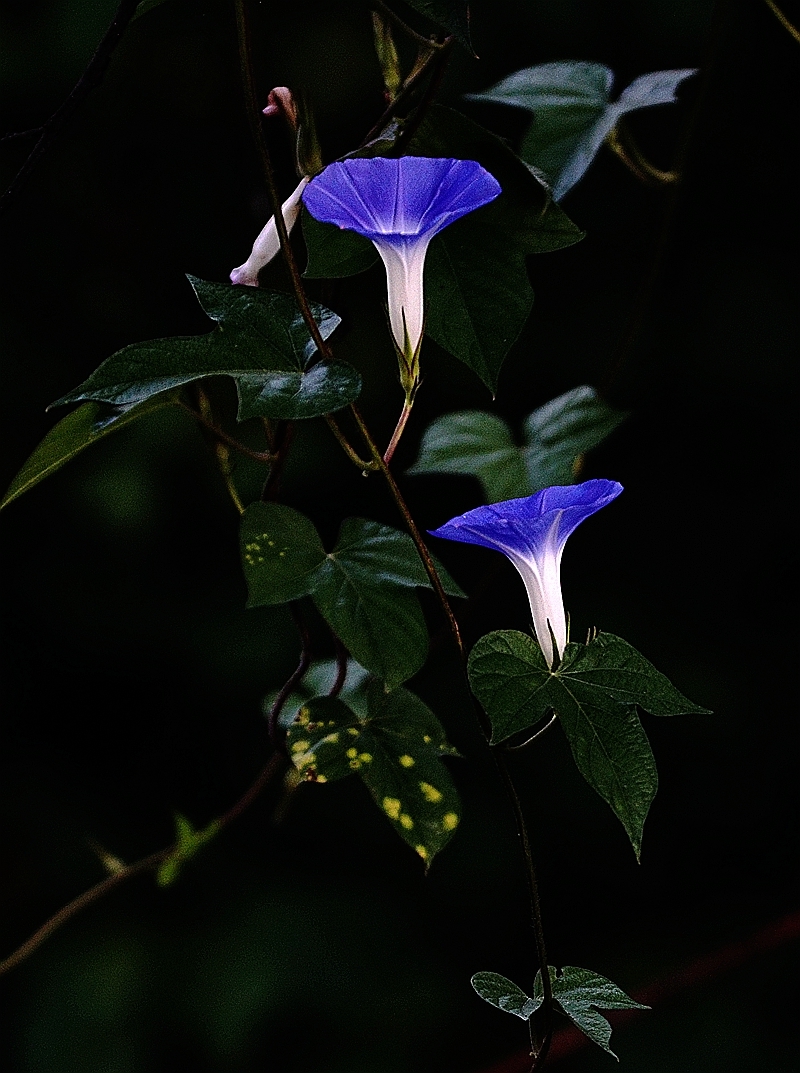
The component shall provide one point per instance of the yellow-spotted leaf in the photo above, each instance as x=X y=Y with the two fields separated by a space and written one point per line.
x=396 y=748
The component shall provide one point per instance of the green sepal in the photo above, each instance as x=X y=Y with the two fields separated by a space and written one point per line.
x=480 y=444
x=594 y=691
x=579 y=993
x=74 y=433
x=188 y=842
x=261 y=341
x=363 y=588
x=396 y=748
x=477 y=292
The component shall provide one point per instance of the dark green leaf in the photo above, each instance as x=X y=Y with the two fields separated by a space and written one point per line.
x=364 y=587
x=453 y=15
x=561 y=431
x=476 y=285
x=362 y=590
x=577 y=991
x=481 y=445
x=611 y=667
x=505 y=995
x=77 y=431
x=334 y=252
x=573 y=113
x=281 y=554
x=594 y=692
x=610 y=749
x=396 y=749
x=261 y=341
x=509 y=676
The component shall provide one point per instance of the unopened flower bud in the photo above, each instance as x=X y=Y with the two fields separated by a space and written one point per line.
x=281 y=102
x=268 y=243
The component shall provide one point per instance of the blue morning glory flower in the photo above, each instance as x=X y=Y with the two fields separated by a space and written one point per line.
x=532 y=532
x=400 y=204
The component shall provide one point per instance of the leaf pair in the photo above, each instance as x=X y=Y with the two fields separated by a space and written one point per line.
x=573 y=112
x=395 y=746
x=363 y=588
x=594 y=691
x=578 y=993
x=481 y=445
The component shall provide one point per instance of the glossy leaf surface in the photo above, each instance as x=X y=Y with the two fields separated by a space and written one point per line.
x=396 y=748
x=261 y=341
x=453 y=15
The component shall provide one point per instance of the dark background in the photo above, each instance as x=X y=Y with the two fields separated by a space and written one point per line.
x=133 y=676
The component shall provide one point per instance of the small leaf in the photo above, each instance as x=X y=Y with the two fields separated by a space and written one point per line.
x=73 y=434
x=396 y=750
x=453 y=15
x=573 y=113
x=509 y=676
x=478 y=296
x=334 y=252
x=577 y=991
x=261 y=341
x=561 y=431
x=187 y=843
x=281 y=552
x=478 y=444
x=505 y=995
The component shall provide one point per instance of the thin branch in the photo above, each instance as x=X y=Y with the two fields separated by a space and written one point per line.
x=779 y=15
x=291 y=683
x=129 y=871
x=431 y=42
x=424 y=554
x=542 y=1046
x=351 y=453
x=220 y=433
x=89 y=80
x=341 y=667
x=402 y=421
x=254 y=119
x=284 y=434
x=621 y=143
x=410 y=84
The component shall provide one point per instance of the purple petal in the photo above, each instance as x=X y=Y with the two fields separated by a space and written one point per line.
x=406 y=198
x=521 y=527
